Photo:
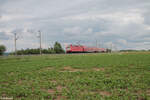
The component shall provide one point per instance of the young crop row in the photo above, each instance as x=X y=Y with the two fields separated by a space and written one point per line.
x=76 y=77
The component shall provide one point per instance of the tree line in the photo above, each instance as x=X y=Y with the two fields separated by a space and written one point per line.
x=57 y=48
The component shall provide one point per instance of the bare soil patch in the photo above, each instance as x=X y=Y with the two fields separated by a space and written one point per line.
x=105 y=93
x=6 y=83
x=20 y=82
x=148 y=92
x=60 y=98
x=102 y=93
x=3 y=95
x=70 y=69
x=11 y=73
x=51 y=91
x=54 y=81
x=45 y=69
x=98 y=69
x=138 y=92
x=32 y=88
x=48 y=68
x=59 y=88
x=141 y=98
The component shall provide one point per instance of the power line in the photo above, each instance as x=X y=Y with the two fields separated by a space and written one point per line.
x=99 y=45
x=15 y=41
x=78 y=42
x=96 y=43
x=40 y=37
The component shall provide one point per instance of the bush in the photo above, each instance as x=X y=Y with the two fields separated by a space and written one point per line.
x=58 y=48
x=2 y=49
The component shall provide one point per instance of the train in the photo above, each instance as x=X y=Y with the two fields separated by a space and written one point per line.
x=83 y=49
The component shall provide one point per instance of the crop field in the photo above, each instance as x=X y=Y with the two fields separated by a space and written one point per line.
x=116 y=76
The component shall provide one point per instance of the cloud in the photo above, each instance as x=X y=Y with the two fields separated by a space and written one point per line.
x=3 y=36
x=122 y=41
x=125 y=24
x=73 y=31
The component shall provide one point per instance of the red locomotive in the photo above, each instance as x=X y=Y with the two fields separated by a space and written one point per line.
x=83 y=49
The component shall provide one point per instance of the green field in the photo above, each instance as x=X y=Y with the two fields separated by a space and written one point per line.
x=122 y=76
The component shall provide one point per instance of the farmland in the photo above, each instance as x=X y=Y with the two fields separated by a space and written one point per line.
x=121 y=76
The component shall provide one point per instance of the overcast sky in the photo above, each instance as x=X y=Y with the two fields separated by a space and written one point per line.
x=123 y=23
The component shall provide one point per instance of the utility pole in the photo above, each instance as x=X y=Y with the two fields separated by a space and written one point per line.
x=40 y=36
x=96 y=43
x=115 y=47
x=15 y=41
x=111 y=47
x=99 y=45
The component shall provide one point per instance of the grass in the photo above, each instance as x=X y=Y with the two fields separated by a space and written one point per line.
x=122 y=76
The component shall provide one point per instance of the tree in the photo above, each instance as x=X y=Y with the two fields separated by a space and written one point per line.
x=58 y=48
x=108 y=50
x=2 y=49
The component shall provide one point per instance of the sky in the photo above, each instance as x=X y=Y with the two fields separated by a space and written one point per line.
x=121 y=24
